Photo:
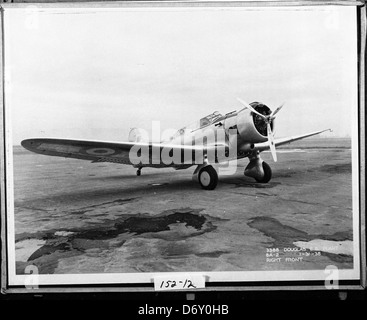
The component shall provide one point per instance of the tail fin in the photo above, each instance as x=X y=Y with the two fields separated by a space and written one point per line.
x=137 y=135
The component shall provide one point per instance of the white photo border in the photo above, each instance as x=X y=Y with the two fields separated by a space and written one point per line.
x=11 y=282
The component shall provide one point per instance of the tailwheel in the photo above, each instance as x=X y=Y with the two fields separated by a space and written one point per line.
x=208 y=178
x=267 y=173
x=138 y=172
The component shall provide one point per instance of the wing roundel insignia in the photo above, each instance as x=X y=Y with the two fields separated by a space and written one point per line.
x=100 y=151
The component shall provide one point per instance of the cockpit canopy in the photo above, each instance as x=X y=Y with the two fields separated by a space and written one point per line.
x=203 y=122
x=209 y=119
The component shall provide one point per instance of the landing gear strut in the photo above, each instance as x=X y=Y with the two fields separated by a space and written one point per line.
x=207 y=176
x=267 y=173
x=258 y=169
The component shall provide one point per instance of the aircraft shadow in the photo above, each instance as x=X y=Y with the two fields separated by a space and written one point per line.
x=129 y=176
x=142 y=189
x=133 y=187
x=239 y=181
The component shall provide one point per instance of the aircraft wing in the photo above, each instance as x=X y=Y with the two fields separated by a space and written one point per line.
x=116 y=152
x=278 y=142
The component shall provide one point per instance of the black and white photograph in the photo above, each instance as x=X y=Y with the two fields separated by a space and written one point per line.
x=209 y=144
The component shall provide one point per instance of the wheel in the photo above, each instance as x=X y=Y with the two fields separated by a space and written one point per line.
x=267 y=173
x=138 y=172
x=208 y=178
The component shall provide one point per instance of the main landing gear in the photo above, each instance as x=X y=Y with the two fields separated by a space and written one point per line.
x=207 y=176
x=258 y=169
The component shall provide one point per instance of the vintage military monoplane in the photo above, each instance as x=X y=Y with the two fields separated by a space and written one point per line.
x=245 y=133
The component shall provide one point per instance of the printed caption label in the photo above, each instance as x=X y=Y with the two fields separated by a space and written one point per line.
x=179 y=282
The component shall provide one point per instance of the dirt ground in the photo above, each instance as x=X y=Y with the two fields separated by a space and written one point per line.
x=72 y=216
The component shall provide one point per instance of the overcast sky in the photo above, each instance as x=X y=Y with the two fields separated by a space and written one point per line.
x=96 y=73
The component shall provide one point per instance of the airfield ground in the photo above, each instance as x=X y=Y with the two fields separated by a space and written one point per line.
x=73 y=216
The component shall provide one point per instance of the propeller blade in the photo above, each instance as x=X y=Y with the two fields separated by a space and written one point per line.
x=276 y=111
x=248 y=106
x=271 y=143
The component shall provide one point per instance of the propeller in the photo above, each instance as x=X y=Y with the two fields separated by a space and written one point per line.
x=268 y=120
x=272 y=116
x=248 y=106
x=271 y=143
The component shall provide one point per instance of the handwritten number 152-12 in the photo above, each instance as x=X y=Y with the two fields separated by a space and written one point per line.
x=172 y=284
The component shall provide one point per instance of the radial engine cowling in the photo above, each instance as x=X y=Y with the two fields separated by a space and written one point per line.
x=251 y=127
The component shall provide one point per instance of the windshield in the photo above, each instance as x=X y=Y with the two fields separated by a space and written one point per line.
x=203 y=122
